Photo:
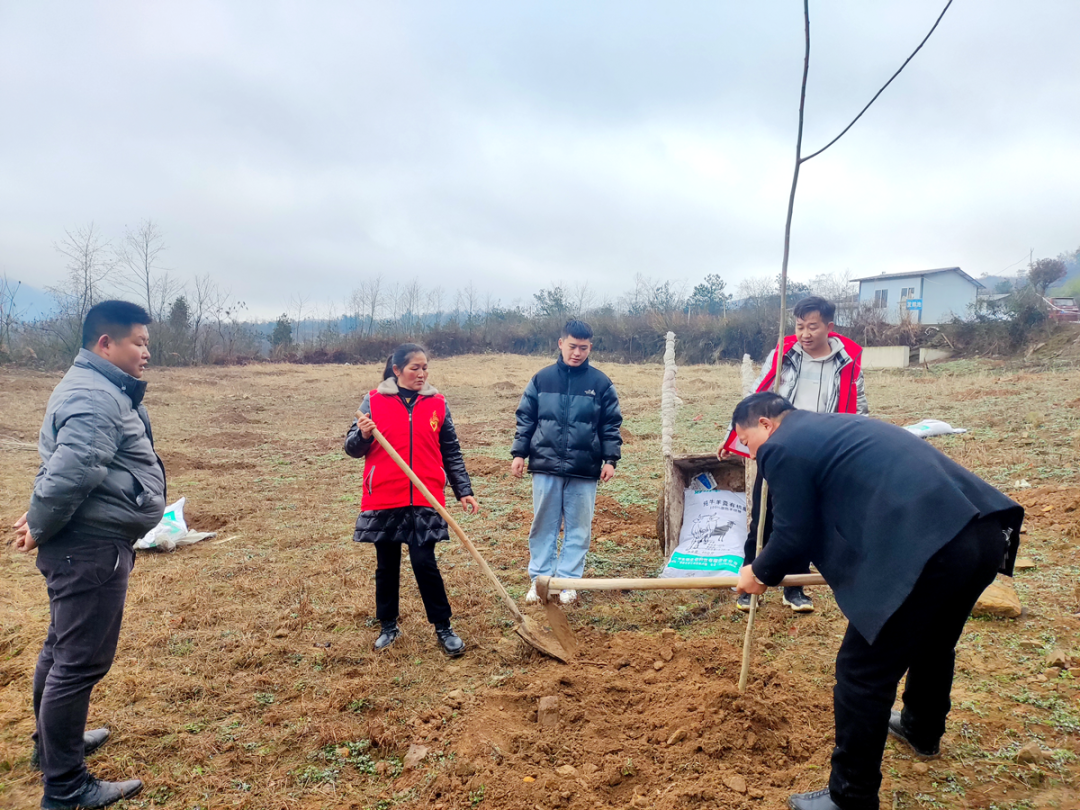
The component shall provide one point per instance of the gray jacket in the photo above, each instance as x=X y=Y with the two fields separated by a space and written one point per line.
x=99 y=472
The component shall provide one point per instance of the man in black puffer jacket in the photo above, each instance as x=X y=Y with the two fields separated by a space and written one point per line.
x=568 y=429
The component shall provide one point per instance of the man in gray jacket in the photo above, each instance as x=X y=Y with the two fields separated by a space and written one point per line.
x=101 y=487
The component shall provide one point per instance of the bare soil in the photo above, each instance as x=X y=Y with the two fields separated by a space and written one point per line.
x=245 y=676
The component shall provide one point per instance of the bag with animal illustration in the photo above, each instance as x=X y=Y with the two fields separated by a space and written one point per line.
x=713 y=535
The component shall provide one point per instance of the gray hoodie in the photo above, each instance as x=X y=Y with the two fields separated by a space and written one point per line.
x=99 y=472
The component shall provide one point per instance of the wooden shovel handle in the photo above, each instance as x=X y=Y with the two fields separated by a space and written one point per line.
x=668 y=583
x=465 y=541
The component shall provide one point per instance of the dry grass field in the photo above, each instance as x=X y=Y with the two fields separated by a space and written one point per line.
x=245 y=676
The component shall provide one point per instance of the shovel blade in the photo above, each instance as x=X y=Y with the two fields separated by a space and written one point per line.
x=537 y=638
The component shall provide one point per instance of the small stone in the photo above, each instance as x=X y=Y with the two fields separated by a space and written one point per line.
x=1040 y=678
x=736 y=783
x=590 y=768
x=999 y=599
x=1030 y=645
x=342 y=752
x=658 y=665
x=679 y=735
x=1052 y=673
x=1024 y=564
x=667 y=653
x=455 y=698
x=668 y=634
x=1030 y=753
x=1074 y=671
x=547 y=714
x=414 y=756
x=528 y=779
x=569 y=771
x=1058 y=658
x=754 y=793
x=920 y=768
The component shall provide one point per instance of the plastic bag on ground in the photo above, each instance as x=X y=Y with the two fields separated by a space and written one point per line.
x=172 y=531
x=933 y=427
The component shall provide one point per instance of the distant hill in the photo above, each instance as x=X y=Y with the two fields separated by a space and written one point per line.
x=32 y=304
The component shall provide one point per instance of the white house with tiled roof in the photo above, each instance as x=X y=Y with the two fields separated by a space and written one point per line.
x=925 y=296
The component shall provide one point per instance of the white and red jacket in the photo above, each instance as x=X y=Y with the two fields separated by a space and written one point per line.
x=845 y=394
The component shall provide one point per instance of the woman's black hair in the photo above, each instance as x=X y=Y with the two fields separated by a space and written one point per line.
x=755 y=406
x=400 y=358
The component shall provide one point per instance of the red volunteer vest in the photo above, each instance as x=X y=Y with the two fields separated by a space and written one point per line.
x=416 y=438
x=847 y=399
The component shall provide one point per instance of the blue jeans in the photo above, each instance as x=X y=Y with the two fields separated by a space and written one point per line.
x=566 y=503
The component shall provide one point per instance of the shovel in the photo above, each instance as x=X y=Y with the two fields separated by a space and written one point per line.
x=560 y=628
x=529 y=631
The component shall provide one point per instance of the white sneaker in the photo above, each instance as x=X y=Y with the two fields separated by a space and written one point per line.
x=532 y=597
x=567 y=597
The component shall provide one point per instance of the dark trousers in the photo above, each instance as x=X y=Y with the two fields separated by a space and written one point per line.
x=87 y=588
x=750 y=550
x=920 y=639
x=428 y=579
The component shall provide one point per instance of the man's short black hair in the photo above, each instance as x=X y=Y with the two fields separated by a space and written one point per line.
x=112 y=318
x=578 y=329
x=815 y=303
x=755 y=406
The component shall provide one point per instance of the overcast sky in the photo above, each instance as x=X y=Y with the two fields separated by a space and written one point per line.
x=295 y=148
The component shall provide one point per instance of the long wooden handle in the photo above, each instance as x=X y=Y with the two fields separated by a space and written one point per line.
x=465 y=541
x=763 y=508
x=670 y=583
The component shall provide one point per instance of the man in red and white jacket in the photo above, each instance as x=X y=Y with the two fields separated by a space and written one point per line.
x=820 y=371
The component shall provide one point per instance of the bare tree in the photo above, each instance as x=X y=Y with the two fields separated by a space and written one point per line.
x=297 y=303
x=138 y=260
x=581 y=299
x=89 y=261
x=369 y=300
x=8 y=314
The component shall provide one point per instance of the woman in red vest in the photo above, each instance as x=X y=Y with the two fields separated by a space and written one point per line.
x=414 y=419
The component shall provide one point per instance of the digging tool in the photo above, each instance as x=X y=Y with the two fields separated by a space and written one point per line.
x=744 y=673
x=547 y=587
x=526 y=628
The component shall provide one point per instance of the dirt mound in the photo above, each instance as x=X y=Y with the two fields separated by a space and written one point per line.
x=612 y=517
x=647 y=722
x=177 y=463
x=1052 y=508
x=485 y=465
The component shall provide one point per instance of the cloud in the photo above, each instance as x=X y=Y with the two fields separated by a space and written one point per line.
x=298 y=147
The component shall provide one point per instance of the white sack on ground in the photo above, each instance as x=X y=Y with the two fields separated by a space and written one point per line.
x=933 y=427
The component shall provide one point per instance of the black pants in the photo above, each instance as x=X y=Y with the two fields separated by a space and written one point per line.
x=87 y=588
x=920 y=639
x=428 y=579
x=750 y=550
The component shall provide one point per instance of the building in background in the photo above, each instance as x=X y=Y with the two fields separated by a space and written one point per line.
x=925 y=296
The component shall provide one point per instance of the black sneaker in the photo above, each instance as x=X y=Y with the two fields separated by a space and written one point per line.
x=450 y=642
x=743 y=602
x=389 y=634
x=896 y=728
x=95 y=793
x=798 y=601
x=92 y=741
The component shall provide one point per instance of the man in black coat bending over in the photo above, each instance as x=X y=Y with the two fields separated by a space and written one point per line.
x=907 y=539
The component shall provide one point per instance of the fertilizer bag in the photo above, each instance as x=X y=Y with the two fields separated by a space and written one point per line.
x=713 y=535
x=171 y=529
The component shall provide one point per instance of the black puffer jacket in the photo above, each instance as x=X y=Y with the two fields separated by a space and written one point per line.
x=568 y=422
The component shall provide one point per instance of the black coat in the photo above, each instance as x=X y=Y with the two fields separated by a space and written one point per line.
x=416 y=525
x=568 y=422
x=869 y=504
